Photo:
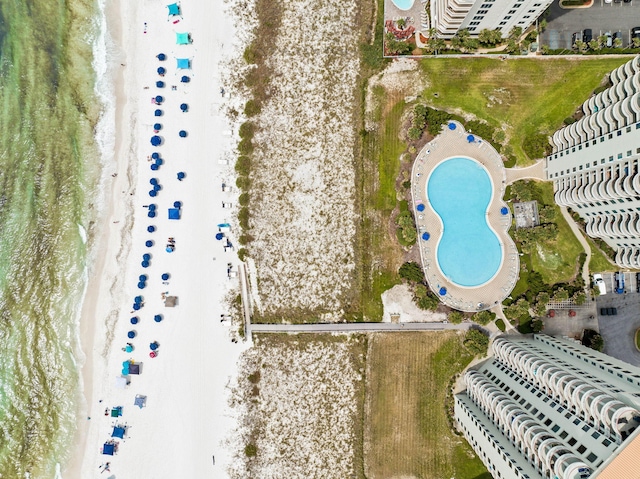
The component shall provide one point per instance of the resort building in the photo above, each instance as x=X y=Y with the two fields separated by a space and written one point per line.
x=543 y=407
x=449 y=16
x=594 y=164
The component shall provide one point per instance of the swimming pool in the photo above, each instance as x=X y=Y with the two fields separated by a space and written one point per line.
x=469 y=252
x=403 y=4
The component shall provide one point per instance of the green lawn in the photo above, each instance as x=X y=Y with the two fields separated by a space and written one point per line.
x=524 y=96
x=599 y=261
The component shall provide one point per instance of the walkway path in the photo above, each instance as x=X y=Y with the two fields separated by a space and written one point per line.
x=354 y=327
x=585 y=244
x=535 y=172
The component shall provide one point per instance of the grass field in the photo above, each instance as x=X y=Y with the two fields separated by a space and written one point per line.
x=599 y=261
x=524 y=96
x=407 y=433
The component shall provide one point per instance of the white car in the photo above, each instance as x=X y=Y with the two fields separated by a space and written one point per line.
x=599 y=282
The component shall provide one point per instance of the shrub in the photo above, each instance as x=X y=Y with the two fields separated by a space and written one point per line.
x=407 y=233
x=245 y=238
x=242 y=182
x=476 y=342
x=414 y=133
x=569 y=120
x=246 y=130
x=242 y=254
x=254 y=378
x=483 y=317
x=250 y=450
x=243 y=218
x=500 y=325
x=411 y=272
x=252 y=108
x=245 y=147
x=455 y=317
x=243 y=165
x=536 y=146
x=243 y=199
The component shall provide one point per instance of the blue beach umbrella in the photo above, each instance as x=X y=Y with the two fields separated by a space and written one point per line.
x=177 y=204
x=157 y=113
x=136 y=306
x=148 y=244
x=155 y=155
x=159 y=99
x=157 y=318
x=153 y=207
x=185 y=79
x=183 y=134
x=504 y=210
x=165 y=276
x=131 y=334
x=181 y=175
x=169 y=249
x=219 y=236
x=156 y=140
x=151 y=228
x=153 y=193
x=426 y=236
x=134 y=320
x=143 y=277
x=443 y=291
x=161 y=70
x=142 y=285
x=161 y=56
x=420 y=207
x=154 y=167
x=470 y=138
x=452 y=126
x=151 y=214
x=138 y=299
x=128 y=348
x=158 y=162
x=153 y=181
x=184 y=107
x=160 y=84
x=157 y=187
x=157 y=126
x=153 y=346
x=145 y=264
x=146 y=256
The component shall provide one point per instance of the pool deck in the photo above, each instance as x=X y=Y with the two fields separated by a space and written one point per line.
x=451 y=144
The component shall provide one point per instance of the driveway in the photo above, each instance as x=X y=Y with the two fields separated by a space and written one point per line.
x=601 y=17
x=618 y=331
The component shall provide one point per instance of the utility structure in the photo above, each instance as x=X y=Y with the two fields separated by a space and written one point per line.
x=544 y=407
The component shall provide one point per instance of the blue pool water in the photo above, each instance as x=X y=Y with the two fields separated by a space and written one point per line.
x=469 y=252
x=403 y=4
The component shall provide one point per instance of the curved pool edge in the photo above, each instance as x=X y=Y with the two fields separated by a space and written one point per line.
x=404 y=9
x=450 y=144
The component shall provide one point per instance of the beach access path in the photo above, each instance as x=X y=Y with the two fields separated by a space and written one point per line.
x=354 y=327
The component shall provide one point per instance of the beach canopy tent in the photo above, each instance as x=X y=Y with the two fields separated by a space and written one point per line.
x=148 y=244
x=170 y=301
x=174 y=213
x=118 y=431
x=174 y=9
x=142 y=285
x=134 y=368
x=140 y=401
x=155 y=155
x=183 y=38
x=108 y=449
x=117 y=411
x=121 y=383
x=184 y=63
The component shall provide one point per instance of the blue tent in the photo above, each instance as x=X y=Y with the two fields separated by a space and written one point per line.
x=452 y=126
x=160 y=84
x=504 y=210
x=118 y=432
x=108 y=449
x=153 y=181
x=184 y=63
x=426 y=236
x=174 y=214
x=140 y=401
x=174 y=9
x=161 y=56
x=146 y=256
x=185 y=79
x=161 y=70
x=157 y=187
x=156 y=140
x=151 y=228
x=157 y=113
x=183 y=134
x=134 y=320
x=420 y=207
x=184 y=107
x=443 y=291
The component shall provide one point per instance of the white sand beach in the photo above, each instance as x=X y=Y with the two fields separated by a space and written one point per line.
x=186 y=420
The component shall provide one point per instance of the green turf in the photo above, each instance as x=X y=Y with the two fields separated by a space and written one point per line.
x=599 y=261
x=524 y=95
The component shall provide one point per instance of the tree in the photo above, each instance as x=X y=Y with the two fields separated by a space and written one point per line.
x=636 y=42
x=455 y=317
x=617 y=42
x=561 y=294
x=542 y=26
x=602 y=41
x=537 y=325
x=545 y=49
x=483 y=317
x=580 y=45
x=424 y=298
x=515 y=33
x=396 y=47
x=594 y=45
x=411 y=272
x=517 y=309
x=476 y=342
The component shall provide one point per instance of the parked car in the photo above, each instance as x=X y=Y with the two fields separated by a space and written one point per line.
x=638 y=282
x=608 y=39
x=635 y=32
x=616 y=36
x=619 y=282
x=599 y=283
x=587 y=35
x=576 y=37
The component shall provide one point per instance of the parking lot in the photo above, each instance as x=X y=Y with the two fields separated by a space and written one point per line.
x=618 y=330
x=601 y=17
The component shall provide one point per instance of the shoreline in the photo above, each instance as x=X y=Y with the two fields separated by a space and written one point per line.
x=121 y=228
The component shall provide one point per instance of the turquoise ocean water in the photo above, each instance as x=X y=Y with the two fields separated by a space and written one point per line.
x=49 y=169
